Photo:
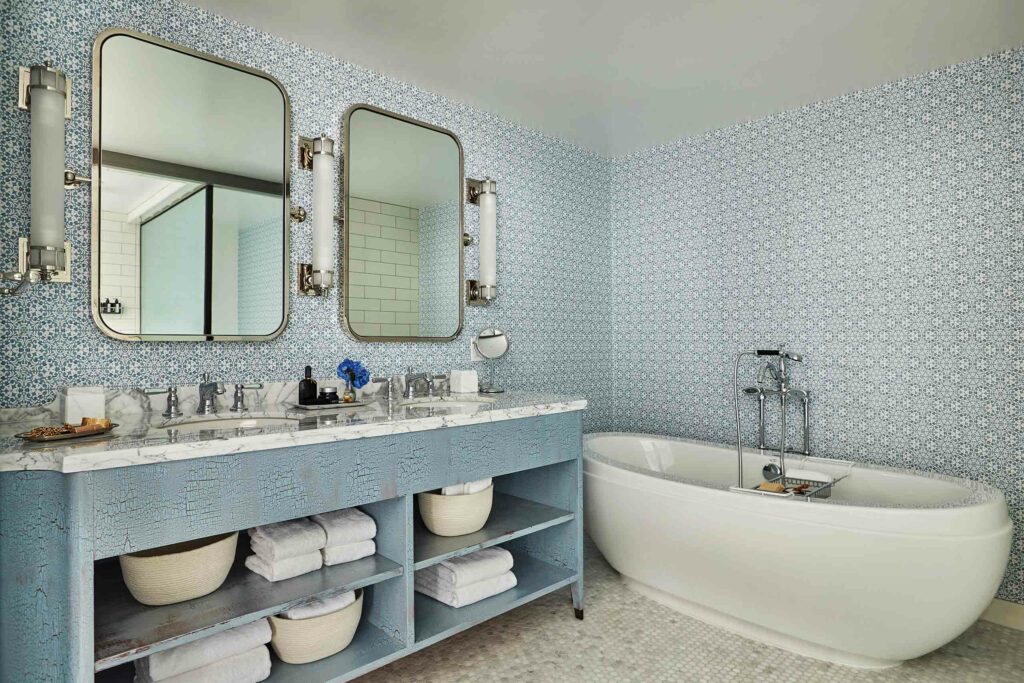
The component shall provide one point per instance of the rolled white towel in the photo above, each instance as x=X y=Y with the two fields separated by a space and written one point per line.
x=285 y=569
x=466 y=595
x=317 y=607
x=468 y=569
x=250 y=666
x=283 y=540
x=161 y=666
x=346 y=526
x=340 y=554
x=464 y=489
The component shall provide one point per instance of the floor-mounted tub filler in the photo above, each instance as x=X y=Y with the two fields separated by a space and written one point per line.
x=894 y=564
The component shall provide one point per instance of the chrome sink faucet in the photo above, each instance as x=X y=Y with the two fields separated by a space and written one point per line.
x=238 y=405
x=208 y=393
x=431 y=382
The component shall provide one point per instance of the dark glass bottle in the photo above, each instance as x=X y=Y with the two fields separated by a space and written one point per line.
x=307 y=389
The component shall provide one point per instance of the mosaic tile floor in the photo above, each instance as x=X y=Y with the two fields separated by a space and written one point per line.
x=627 y=637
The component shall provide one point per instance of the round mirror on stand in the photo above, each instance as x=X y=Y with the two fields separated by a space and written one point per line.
x=491 y=343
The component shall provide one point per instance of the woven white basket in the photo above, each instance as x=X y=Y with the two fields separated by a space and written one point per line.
x=456 y=515
x=179 y=572
x=300 y=641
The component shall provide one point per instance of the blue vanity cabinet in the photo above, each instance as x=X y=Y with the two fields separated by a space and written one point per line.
x=66 y=615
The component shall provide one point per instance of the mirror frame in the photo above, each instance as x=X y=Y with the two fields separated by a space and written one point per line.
x=97 y=72
x=346 y=165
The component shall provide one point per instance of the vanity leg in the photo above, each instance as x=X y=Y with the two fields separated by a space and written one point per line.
x=46 y=560
x=577 y=599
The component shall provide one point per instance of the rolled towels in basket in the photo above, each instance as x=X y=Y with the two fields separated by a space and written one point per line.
x=344 y=527
x=339 y=554
x=283 y=540
x=429 y=585
x=189 y=661
x=285 y=569
x=464 y=489
x=318 y=607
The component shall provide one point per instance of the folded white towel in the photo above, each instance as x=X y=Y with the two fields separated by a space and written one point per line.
x=346 y=526
x=339 y=554
x=285 y=569
x=466 y=595
x=160 y=666
x=317 y=607
x=250 y=666
x=468 y=569
x=463 y=489
x=280 y=541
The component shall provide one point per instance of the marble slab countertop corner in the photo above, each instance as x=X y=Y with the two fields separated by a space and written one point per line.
x=145 y=438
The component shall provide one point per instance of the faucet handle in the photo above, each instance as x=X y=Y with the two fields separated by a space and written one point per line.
x=172 y=409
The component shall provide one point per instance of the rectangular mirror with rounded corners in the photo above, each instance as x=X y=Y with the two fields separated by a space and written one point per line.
x=191 y=157
x=402 y=235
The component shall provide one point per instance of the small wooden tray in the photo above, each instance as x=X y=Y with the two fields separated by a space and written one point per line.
x=327 y=406
x=64 y=437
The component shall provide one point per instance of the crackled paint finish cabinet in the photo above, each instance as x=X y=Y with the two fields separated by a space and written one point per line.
x=67 y=616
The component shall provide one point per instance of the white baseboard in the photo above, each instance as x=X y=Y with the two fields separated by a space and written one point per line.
x=1005 y=613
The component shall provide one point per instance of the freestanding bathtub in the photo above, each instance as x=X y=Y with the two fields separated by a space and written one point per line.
x=895 y=564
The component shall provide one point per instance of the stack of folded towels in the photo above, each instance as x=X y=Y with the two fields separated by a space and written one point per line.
x=349 y=534
x=239 y=655
x=471 y=578
x=463 y=489
x=286 y=549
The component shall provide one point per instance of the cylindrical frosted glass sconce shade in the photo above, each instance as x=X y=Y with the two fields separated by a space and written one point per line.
x=47 y=106
x=323 y=204
x=488 y=238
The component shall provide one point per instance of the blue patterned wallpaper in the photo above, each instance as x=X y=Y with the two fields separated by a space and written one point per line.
x=881 y=233
x=552 y=225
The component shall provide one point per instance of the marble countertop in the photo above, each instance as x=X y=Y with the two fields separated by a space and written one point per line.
x=144 y=438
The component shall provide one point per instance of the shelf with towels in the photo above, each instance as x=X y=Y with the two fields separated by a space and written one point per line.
x=126 y=630
x=535 y=578
x=511 y=517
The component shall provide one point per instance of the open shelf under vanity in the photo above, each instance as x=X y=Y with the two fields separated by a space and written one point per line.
x=126 y=629
x=535 y=515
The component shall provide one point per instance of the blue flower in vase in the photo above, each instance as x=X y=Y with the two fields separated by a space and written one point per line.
x=353 y=372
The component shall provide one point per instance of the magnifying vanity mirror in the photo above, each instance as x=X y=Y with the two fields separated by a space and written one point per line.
x=190 y=194
x=491 y=343
x=402 y=239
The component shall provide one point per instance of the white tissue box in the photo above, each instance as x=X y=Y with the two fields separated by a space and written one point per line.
x=464 y=382
x=79 y=402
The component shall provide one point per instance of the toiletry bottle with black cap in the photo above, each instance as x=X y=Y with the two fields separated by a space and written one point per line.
x=307 y=389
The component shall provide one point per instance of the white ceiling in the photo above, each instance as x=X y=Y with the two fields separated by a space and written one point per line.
x=616 y=76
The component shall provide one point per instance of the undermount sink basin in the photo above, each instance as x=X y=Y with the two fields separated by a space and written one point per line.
x=449 y=402
x=232 y=423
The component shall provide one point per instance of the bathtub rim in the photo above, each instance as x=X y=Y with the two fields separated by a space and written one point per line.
x=979 y=494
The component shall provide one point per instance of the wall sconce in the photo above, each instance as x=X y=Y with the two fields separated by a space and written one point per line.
x=317 y=154
x=483 y=193
x=45 y=256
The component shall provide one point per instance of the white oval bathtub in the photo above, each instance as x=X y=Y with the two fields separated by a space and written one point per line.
x=895 y=564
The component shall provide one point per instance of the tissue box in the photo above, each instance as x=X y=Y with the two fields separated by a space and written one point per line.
x=464 y=382
x=79 y=402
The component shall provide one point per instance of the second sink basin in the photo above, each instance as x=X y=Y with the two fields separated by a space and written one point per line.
x=232 y=423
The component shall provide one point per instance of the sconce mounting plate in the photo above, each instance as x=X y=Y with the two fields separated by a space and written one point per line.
x=25 y=79
x=305 y=153
x=314 y=282
x=474 y=188
x=480 y=295
x=33 y=276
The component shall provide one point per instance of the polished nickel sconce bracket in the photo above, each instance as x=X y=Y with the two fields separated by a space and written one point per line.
x=314 y=282
x=49 y=80
x=305 y=153
x=474 y=188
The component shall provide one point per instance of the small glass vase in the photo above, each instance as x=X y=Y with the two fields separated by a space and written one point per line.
x=350 y=394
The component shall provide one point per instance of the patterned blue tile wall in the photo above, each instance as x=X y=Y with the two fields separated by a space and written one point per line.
x=881 y=233
x=552 y=224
